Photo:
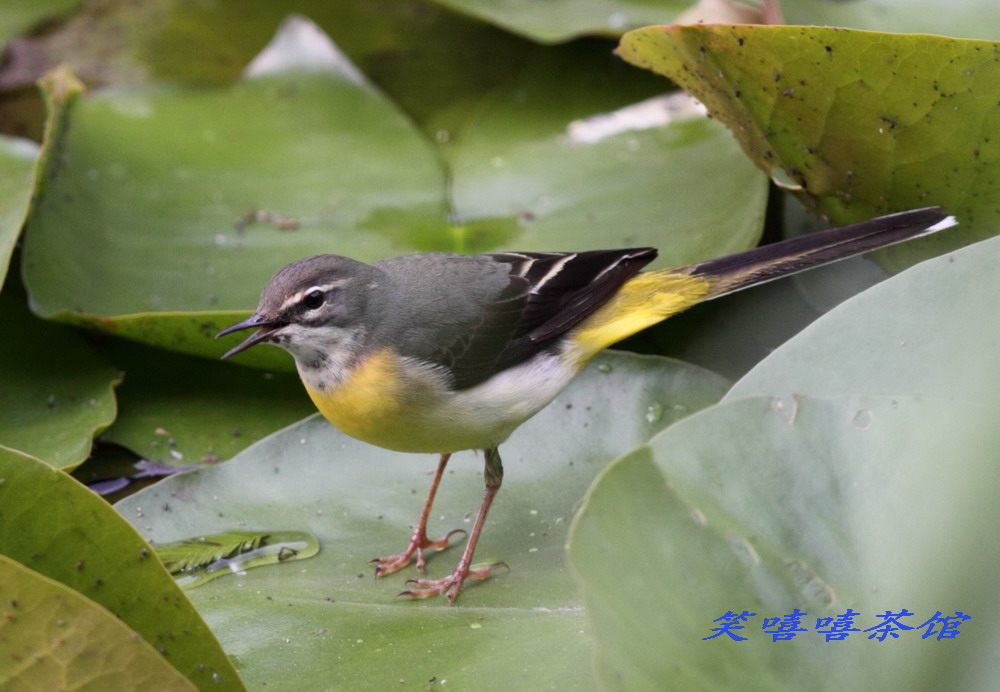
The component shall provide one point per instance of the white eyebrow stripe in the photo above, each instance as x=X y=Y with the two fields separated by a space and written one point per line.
x=301 y=294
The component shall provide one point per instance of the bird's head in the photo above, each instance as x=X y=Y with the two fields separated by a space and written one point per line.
x=310 y=307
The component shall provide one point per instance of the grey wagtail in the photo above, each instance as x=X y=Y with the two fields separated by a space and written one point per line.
x=442 y=352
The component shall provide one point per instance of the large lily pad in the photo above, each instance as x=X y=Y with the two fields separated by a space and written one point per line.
x=296 y=625
x=55 y=526
x=742 y=508
x=927 y=331
x=855 y=123
x=52 y=636
x=51 y=407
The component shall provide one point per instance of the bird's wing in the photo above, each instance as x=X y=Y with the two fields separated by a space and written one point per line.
x=547 y=295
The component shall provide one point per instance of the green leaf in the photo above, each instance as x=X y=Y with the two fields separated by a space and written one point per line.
x=56 y=393
x=854 y=123
x=17 y=159
x=561 y=20
x=960 y=18
x=55 y=526
x=20 y=159
x=54 y=638
x=192 y=552
x=924 y=331
x=171 y=201
x=567 y=161
x=522 y=626
x=397 y=44
x=194 y=561
x=178 y=410
x=841 y=505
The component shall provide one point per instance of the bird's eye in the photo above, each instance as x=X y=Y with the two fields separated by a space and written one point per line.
x=313 y=299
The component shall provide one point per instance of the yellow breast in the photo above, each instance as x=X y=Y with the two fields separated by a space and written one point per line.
x=370 y=402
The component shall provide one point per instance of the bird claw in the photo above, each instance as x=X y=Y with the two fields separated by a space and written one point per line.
x=417 y=545
x=451 y=585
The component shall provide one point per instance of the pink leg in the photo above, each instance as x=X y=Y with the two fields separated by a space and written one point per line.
x=451 y=585
x=418 y=541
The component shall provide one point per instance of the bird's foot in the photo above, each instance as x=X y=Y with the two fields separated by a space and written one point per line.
x=417 y=545
x=451 y=585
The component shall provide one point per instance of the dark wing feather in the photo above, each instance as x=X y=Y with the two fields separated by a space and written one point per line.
x=548 y=294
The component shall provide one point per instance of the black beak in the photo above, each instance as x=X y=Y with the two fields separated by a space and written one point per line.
x=266 y=326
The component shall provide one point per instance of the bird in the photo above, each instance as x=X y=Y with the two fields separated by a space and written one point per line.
x=437 y=353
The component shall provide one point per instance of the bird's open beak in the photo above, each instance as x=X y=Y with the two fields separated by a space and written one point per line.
x=265 y=327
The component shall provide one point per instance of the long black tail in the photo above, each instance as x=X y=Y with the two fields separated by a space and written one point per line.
x=805 y=252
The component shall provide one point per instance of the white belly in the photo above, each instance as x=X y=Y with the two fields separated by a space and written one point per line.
x=485 y=415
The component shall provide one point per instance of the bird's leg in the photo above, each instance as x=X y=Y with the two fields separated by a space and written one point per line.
x=451 y=585
x=418 y=541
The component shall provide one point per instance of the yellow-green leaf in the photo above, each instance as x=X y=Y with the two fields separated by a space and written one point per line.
x=855 y=123
x=53 y=638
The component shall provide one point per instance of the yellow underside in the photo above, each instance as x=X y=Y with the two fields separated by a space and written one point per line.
x=368 y=404
x=384 y=404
